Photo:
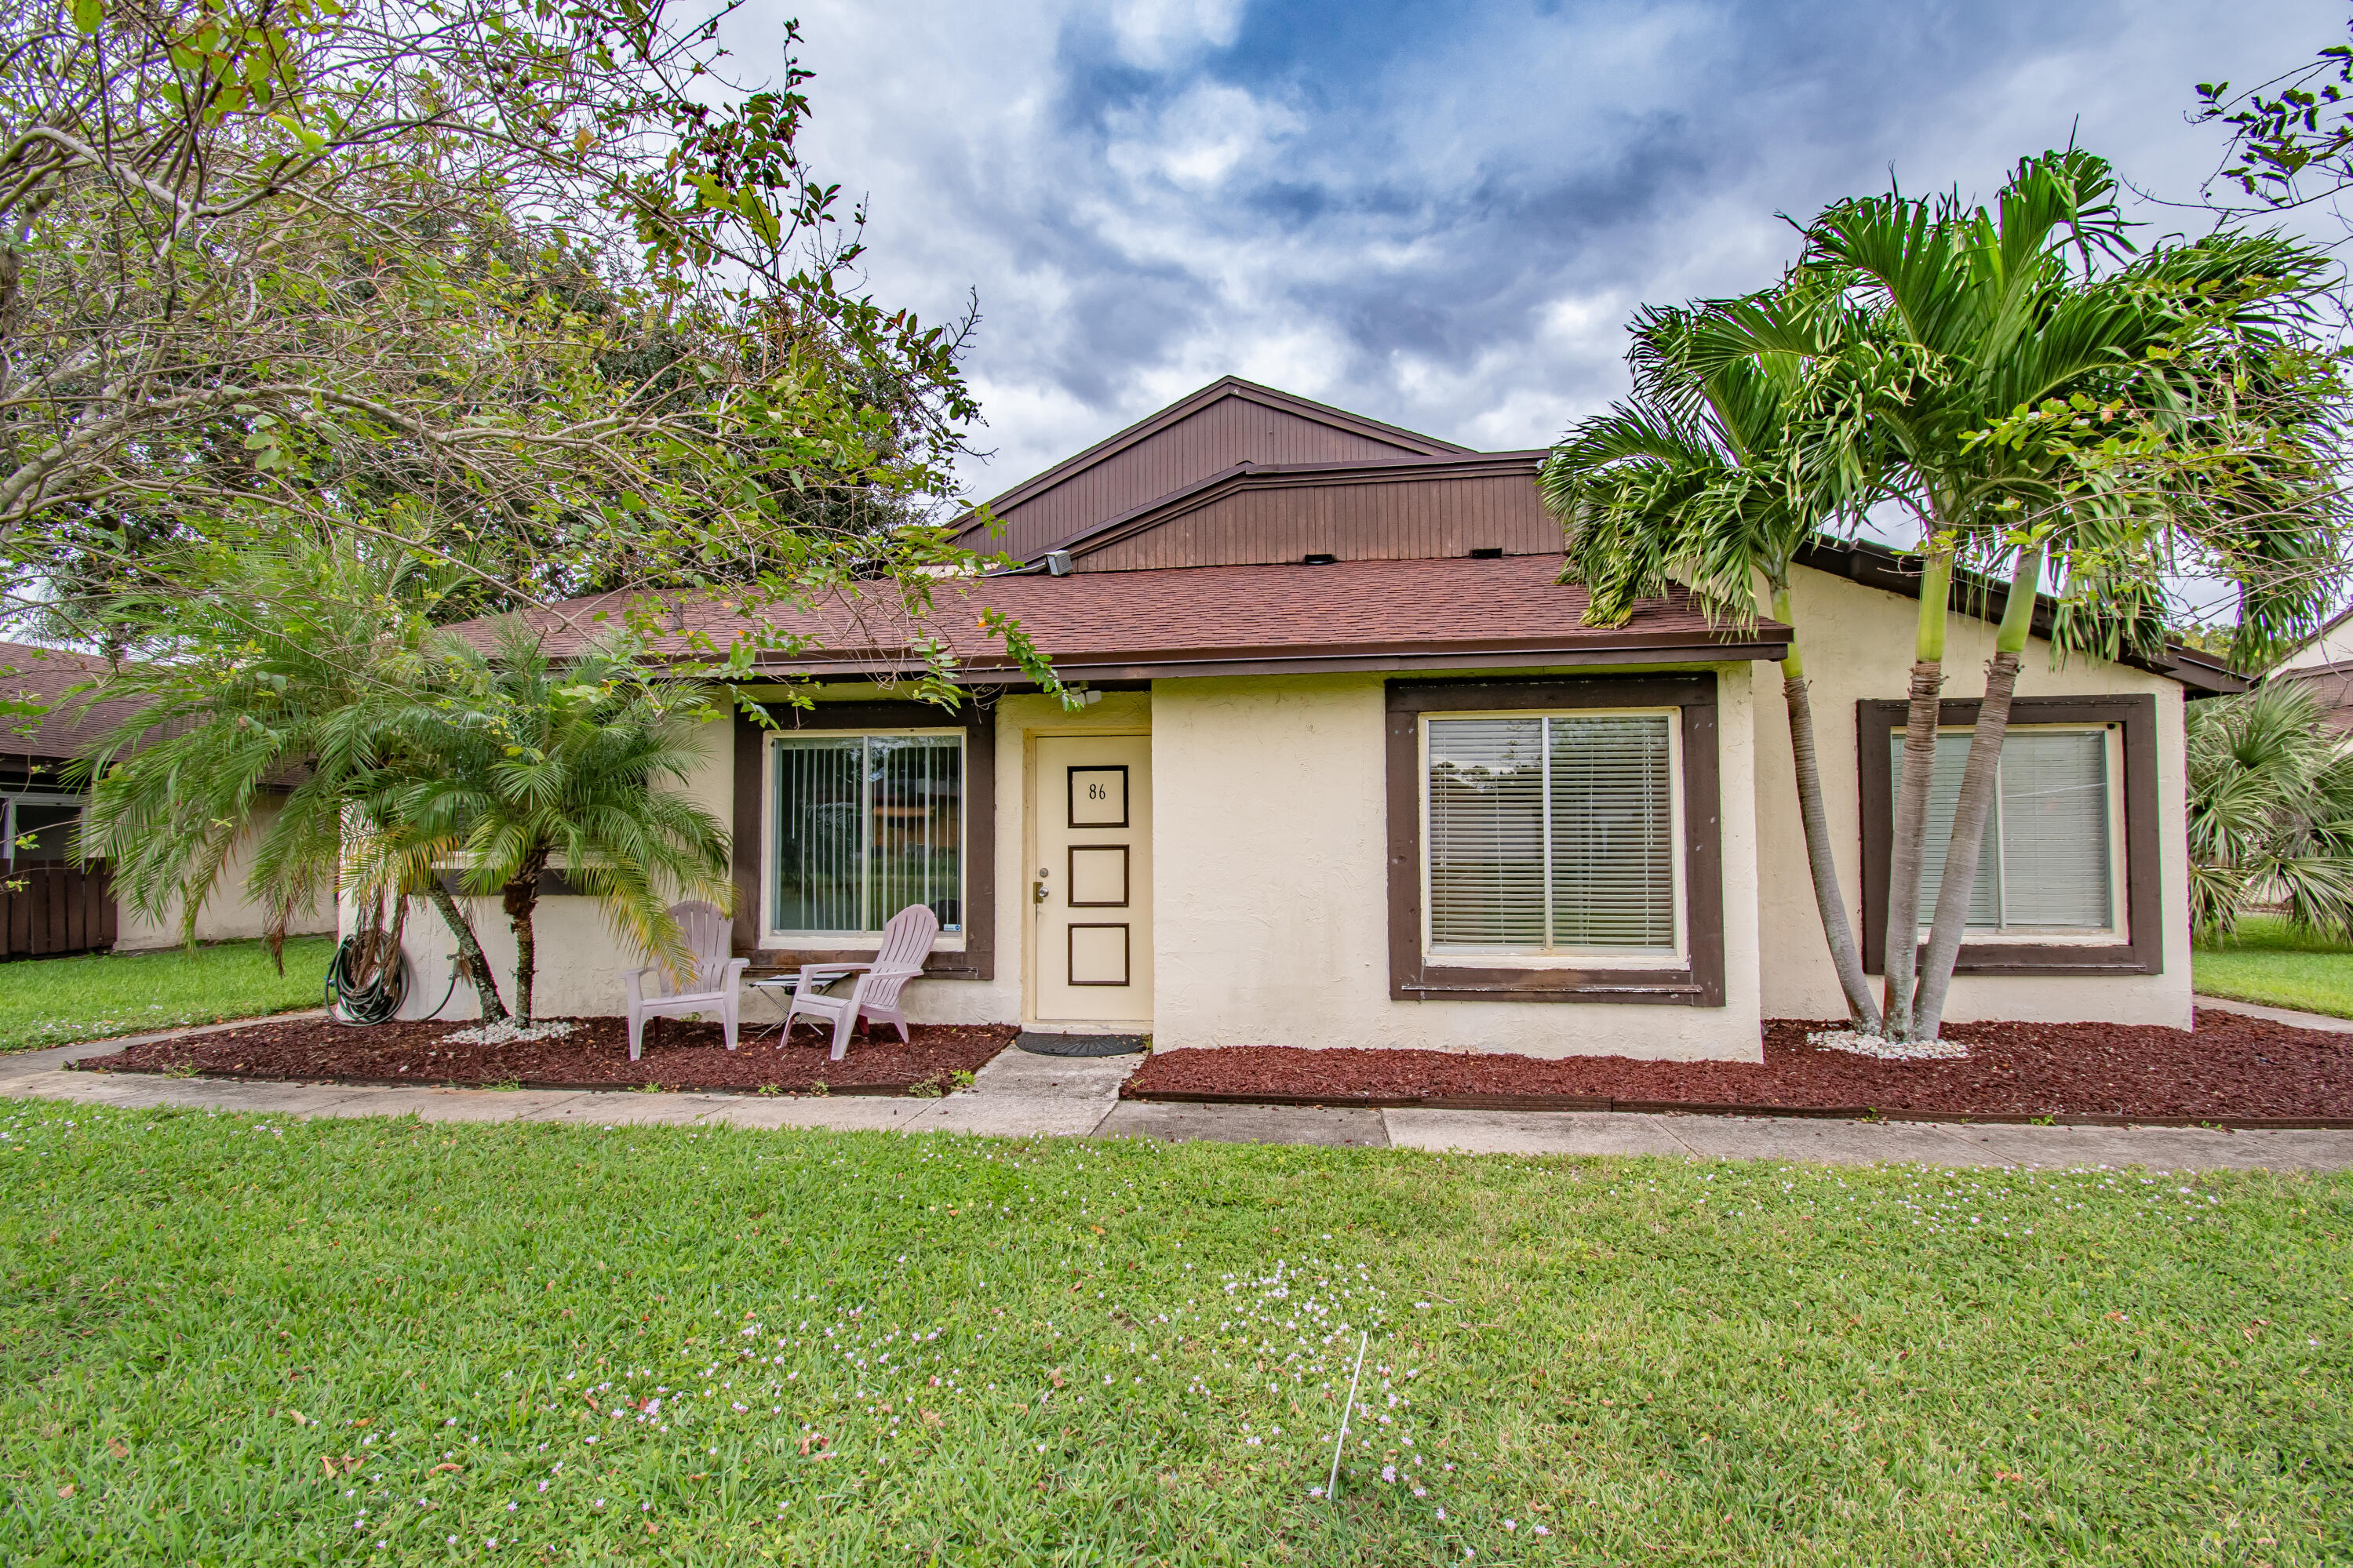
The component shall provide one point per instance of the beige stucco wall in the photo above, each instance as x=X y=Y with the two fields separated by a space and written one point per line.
x=228 y=914
x=1270 y=849
x=1857 y=643
x=580 y=958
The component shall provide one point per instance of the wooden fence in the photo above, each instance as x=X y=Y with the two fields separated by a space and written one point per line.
x=59 y=909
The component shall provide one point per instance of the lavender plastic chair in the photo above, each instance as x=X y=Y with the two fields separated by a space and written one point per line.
x=906 y=942
x=710 y=989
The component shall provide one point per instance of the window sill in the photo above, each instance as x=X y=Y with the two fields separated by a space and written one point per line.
x=2046 y=957
x=1662 y=987
x=841 y=941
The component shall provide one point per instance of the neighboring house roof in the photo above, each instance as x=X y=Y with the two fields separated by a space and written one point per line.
x=2330 y=647
x=47 y=676
x=1453 y=613
x=1229 y=421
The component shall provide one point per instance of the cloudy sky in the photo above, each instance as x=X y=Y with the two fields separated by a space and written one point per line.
x=1439 y=215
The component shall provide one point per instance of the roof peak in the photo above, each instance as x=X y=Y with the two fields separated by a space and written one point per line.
x=1410 y=443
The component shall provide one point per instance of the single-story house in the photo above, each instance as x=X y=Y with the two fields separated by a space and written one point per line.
x=66 y=904
x=1349 y=772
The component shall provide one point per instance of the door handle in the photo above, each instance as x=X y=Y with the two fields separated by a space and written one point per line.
x=1038 y=894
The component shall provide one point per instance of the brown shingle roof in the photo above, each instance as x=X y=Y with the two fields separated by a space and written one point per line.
x=1456 y=612
x=47 y=676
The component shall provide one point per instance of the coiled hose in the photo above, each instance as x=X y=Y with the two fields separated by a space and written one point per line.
x=367 y=978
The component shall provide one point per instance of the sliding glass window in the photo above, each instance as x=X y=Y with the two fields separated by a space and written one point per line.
x=864 y=825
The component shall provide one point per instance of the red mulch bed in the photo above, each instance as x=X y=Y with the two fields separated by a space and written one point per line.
x=2234 y=1070
x=596 y=1054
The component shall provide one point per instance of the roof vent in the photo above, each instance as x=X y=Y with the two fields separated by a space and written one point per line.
x=1058 y=563
x=1317 y=560
x=1488 y=553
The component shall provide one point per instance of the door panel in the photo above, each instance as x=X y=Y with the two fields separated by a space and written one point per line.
x=1090 y=889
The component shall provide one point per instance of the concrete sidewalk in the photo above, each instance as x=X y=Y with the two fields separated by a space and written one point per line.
x=1022 y=1095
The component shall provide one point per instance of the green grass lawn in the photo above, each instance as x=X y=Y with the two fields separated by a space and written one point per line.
x=93 y=996
x=230 y=1340
x=2268 y=962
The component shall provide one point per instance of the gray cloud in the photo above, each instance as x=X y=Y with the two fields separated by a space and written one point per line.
x=1437 y=216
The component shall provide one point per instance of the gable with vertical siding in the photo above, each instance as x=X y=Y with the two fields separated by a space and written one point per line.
x=1226 y=424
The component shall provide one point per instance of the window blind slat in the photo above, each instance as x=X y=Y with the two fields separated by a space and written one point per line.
x=819 y=863
x=917 y=813
x=1944 y=800
x=1609 y=807
x=2054 y=816
x=864 y=827
x=1486 y=832
x=2045 y=859
x=1613 y=832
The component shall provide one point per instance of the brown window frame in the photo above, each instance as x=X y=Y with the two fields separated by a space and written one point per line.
x=2143 y=952
x=978 y=959
x=1699 y=984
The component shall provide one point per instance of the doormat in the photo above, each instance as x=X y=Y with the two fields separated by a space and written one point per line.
x=1030 y=1040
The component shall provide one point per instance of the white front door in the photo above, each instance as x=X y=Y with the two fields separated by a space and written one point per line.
x=1091 y=893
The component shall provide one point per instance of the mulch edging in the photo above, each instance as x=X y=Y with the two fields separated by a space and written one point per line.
x=2232 y=1071
x=679 y=1057
x=1697 y=1107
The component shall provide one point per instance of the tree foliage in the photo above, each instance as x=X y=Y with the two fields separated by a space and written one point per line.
x=525 y=290
x=2271 y=812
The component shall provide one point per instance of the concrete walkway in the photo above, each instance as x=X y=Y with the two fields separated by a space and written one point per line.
x=1022 y=1095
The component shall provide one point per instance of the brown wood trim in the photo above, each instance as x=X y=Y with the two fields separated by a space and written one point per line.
x=1126 y=952
x=979 y=721
x=1104 y=670
x=1070 y=800
x=1126 y=876
x=1701 y=983
x=1876 y=718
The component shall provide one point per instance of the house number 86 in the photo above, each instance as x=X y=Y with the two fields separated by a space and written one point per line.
x=1097 y=791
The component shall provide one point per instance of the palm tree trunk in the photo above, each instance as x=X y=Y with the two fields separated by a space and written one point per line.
x=522 y=898
x=1908 y=839
x=1980 y=780
x=470 y=951
x=1827 y=898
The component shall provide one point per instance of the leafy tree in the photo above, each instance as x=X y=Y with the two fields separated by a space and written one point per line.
x=2271 y=812
x=528 y=289
x=529 y=764
x=2290 y=136
x=1703 y=480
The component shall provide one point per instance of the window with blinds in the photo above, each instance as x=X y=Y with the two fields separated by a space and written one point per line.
x=2047 y=861
x=1552 y=833
x=865 y=825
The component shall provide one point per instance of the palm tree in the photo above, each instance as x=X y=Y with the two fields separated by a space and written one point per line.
x=2271 y=812
x=528 y=764
x=1700 y=481
x=296 y=671
x=1987 y=366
